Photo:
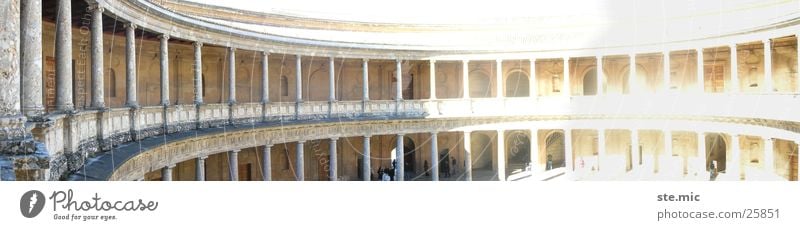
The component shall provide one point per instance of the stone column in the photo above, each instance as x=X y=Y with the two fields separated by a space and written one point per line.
x=98 y=100
x=734 y=164
x=701 y=152
x=768 y=83
x=366 y=169
x=769 y=155
x=399 y=86
x=432 y=79
x=64 y=56
x=231 y=75
x=300 y=170
x=331 y=81
x=797 y=78
x=566 y=84
x=534 y=140
x=233 y=164
x=365 y=80
x=12 y=123
x=601 y=148
x=532 y=80
x=600 y=75
x=264 y=77
x=198 y=73
x=568 y=151
x=200 y=168
x=499 y=79
x=465 y=78
x=130 y=65
x=399 y=152
x=734 y=69
x=635 y=148
x=266 y=163
x=166 y=172
x=700 y=71
x=31 y=47
x=164 y=69
x=299 y=78
x=632 y=87
x=468 y=155
x=667 y=72
x=332 y=167
x=434 y=157
x=501 y=155
x=797 y=143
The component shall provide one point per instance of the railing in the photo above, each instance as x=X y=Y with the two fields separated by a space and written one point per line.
x=69 y=138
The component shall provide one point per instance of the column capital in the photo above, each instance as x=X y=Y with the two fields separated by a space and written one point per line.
x=232 y=49
x=334 y=139
x=665 y=52
x=202 y=157
x=236 y=150
x=499 y=60
x=732 y=45
x=365 y=60
x=197 y=44
x=163 y=37
x=432 y=61
x=434 y=133
x=265 y=53
x=532 y=60
x=169 y=166
x=631 y=55
x=298 y=56
x=268 y=145
x=598 y=57
x=766 y=41
x=401 y=134
x=94 y=7
x=367 y=136
x=301 y=141
x=130 y=25
x=566 y=59
x=467 y=131
x=699 y=50
x=768 y=138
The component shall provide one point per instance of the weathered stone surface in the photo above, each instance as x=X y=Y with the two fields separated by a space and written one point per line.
x=31 y=46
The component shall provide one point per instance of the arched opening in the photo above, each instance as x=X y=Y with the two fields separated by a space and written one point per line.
x=554 y=148
x=481 y=156
x=590 y=82
x=518 y=152
x=479 y=85
x=517 y=85
x=716 y=150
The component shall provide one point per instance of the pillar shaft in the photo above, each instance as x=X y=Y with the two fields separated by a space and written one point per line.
x=332 y=167
x=298 y=78
x=64 y=56
x=231 y=75
x=635 y=161
x=565 y=87
x=601 y=148
x=532 y=80
x=331 y=80
x=499 y=79
x=667 y=72
x=797 y=78
x=734 y=69
x=399 y=173
x=31 y=47
x=265 y=77
x=600 y=75
x=399 y=86
x=198 y=73
x=534 y=140
x=768 y=82
x=632 y=87
x=98 y=100
x=432 y=79
x=366 y=169
x=200 y=168
x=468 y=155
x=233 y=164
x=667 y=150
x=365 y=80
x=734 y=164
x=166 y=173
x=130 y=65
x=465 y=78
x=434 y=157
x=501 y=155
x=769 y=155
x=701 y=151
x=568 y=151
x=266 y=163
x=300 y=170
x=701 y=87
x=164 y=69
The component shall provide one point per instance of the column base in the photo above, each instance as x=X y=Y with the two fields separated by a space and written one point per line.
x=21 y=157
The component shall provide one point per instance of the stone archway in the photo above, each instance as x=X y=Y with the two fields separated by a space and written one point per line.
x=716 y=152
x=517 y=85
x=480 y=86
x=590 y=82
x=518 y=150
x=555 y=150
